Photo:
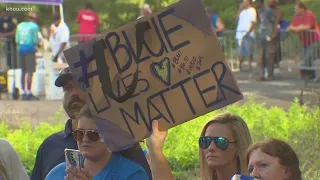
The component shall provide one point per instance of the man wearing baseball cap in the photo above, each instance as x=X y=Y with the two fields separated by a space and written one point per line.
x=27 y=41
x=51 y=151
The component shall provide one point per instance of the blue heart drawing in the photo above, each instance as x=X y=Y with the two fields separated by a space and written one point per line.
x=162 y=70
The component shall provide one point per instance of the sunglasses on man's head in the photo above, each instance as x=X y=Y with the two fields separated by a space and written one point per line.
x=92 y=135
x=220 y=142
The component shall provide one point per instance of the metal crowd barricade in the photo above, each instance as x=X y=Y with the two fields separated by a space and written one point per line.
x=288 y=43
x=290 y=49
x=310 y=66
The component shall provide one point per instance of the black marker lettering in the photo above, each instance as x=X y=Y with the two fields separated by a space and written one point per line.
x=220 y=78
x=161 y=115
x=202 y=92
x=138 y=113
x=181 y=84
x=166 y=32
x=118 y=46
x=108 y=106
x=140 y=81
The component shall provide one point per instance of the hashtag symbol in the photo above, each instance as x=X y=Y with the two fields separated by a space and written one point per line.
x=83 y=63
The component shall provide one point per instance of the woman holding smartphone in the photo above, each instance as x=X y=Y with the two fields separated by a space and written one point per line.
x=222 y=145
x=98 y=162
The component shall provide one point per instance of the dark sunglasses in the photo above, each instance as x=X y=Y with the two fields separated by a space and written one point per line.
x=92 y=135
x=220 y=142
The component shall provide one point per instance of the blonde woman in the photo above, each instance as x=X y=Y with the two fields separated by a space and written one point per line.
x=222 y=146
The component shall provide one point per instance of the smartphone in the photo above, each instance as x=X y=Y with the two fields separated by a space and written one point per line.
x=73 y=158
x=242 y=177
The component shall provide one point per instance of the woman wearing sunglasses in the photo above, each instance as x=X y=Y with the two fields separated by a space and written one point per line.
x=98 y=162
x=273 y=160
x=222 y=146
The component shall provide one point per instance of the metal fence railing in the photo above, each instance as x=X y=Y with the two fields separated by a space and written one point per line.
x=289 y=44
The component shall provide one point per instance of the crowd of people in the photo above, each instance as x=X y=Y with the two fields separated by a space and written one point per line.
x=225 y=149
x=267 y=19
x=24 y=38
x=225 y=144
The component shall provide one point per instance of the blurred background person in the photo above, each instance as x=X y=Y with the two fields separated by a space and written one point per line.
x=27 y=39
x=267 y=39
x=88 y=21
x=216 y=22
x=247 y=19
x=273 y=160
x=11 y=167
x=8 y=24
x=273 y=4
x=60 y=39
x=145 y=10
x=304 y=23
x=217 y=25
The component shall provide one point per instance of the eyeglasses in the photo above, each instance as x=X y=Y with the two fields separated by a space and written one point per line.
x=220 y=142
x=92 y=135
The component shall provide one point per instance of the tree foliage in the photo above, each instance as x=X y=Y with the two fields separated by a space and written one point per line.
x=114 y=13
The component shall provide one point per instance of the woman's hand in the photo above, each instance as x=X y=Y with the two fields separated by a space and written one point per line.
x=156 y=140
x=75 y=174
x=158 y=163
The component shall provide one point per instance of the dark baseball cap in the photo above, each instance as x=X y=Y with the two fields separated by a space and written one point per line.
x=64 y=76
x=56 y=17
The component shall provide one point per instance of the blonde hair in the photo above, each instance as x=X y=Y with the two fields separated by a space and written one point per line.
x=243 y=138
x=146 y=7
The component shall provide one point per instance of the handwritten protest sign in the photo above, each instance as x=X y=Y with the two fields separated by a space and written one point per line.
x=168 y=66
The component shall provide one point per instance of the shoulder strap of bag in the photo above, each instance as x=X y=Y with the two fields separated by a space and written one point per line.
x=3 y=172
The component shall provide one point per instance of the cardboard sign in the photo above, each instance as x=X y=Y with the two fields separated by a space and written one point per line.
x=168 y=66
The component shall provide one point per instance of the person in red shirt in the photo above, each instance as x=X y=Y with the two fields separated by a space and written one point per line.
x=304 y=23
x=88 y=21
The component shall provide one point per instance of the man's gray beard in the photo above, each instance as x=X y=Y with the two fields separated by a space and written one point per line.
x=74 y=109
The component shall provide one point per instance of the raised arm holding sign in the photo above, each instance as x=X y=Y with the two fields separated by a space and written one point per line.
x=167 y=66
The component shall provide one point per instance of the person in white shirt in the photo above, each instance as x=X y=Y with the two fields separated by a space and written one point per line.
x=144 y=10
x=59 y=39
x=247 y=18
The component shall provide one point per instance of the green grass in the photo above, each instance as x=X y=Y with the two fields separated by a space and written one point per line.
x=299 y=126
